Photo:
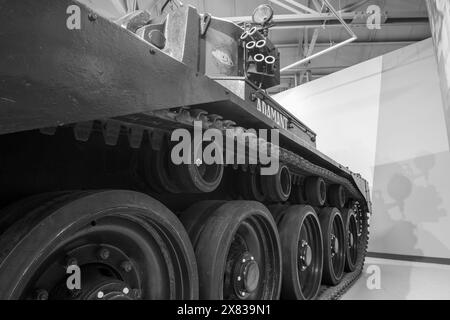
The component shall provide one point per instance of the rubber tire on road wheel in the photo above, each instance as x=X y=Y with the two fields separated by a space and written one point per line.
x=196 y=216
x=278 y=210
x=332 y=276
x=200 y=178
x=213 y=239
x=315 y=190
x=158 y=169
x=350 y=259
x=298 y=194
x=50 y=225
x=336 y=196
x=290 y=227
x=277 y=187
x=250 y=186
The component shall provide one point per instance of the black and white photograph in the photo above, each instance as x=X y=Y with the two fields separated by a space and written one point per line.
x=225 y=153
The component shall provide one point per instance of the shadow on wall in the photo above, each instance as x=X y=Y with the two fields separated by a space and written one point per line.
x=405 y=200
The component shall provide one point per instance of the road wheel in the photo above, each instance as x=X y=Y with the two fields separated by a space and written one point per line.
x=352 y=239
x=195 y=217
x=301 y=242
x=125 y=244
x=333 y=233
x=278 y=210
x=238 y=252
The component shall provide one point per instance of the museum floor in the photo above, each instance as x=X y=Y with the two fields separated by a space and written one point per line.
x=402 y=280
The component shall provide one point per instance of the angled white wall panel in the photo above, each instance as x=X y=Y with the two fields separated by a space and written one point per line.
x=385 y=118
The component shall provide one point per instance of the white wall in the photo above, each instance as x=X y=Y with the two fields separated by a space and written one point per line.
x=343 y=109
x=439 y=13
x=385 y=119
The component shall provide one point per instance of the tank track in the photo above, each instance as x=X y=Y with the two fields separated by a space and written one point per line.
x=155 y=123
x=299 y=165
x=336 y=292
x=185 y=118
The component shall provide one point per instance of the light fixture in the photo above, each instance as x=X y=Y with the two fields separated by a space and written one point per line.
x=263 y=14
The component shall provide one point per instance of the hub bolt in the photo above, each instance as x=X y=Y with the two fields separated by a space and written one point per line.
x=137 y=293
x=41 y=294
x=305 y=255
x=100 y=294
x=127 y=266
x=126 y=290
x=92 y=17
x=334 y=245
x=71 y=262
x=104 y=254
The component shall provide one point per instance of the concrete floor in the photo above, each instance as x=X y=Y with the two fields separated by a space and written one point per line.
x=401 y=280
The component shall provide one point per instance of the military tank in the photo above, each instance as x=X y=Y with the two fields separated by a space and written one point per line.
x=94 y=96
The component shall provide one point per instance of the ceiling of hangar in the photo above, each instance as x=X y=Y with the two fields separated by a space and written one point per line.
x=403 y=22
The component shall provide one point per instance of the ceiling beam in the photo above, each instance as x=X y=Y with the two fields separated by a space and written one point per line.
x=301 y=17
x=285 y=6
x=301 y=6
x=316 y=20
x=326 y=44
x=349 y=30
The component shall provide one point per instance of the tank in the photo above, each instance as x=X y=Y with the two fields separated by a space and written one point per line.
x=142 y=158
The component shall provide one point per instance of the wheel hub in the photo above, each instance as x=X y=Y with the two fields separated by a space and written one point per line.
x=351 y=240
x=247 y=275
x=110 y=290
x=97 y=286
x=334 y=245
x=106 y=274
x=305 y=254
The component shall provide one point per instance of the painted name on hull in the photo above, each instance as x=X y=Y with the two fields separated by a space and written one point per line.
x=272 y=114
